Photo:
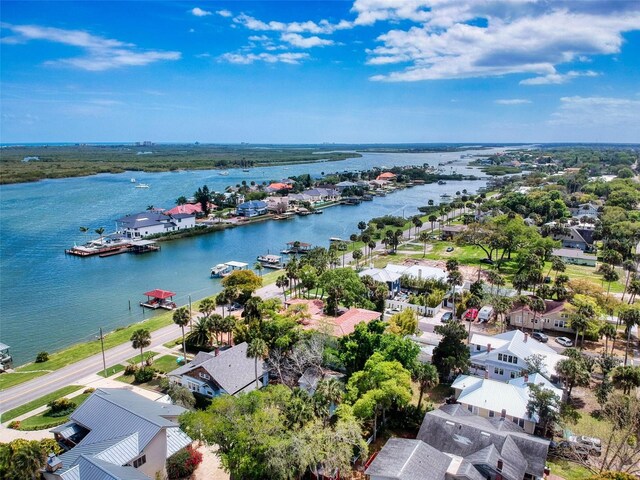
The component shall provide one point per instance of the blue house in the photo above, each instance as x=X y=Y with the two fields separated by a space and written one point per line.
x=252 y=208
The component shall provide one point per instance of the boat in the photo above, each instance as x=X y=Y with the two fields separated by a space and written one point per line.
x=224 y=269
x=318 y=212
x=441 y=182
x=6 y=360
x=159 y=299
x=133 y=180
x=218 y=270
x=367 y=198
x=224 y=173
x=246 y=170
x=143 y=185
x=445 y=195
x=271 y=261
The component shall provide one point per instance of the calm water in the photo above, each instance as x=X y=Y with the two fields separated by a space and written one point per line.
x=49 y=300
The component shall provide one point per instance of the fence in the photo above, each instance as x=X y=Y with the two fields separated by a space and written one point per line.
x=420 y=310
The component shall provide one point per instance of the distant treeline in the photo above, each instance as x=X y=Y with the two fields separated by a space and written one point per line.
x=32 y=163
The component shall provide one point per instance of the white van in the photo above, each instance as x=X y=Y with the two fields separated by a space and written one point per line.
x=485 y=314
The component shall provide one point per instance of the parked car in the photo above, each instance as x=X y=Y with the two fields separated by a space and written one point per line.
x=541 y=337
x=446 y=317
x=592 y=444
x=485 y=314
x=471 y=314
x=233 y=307
x=564 y=341
x=449 y=249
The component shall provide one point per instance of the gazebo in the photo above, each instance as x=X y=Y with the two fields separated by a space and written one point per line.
x=159 y=299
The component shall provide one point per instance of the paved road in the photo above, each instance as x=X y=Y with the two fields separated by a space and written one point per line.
x=36 y=388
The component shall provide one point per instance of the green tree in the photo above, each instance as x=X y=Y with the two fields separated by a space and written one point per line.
x=258 y=267
x=451 y=354
x=427 y=377
x=200 y=334
x=404 y=323
x=182 y=318
x=141 y=339
x=22 y=459
x=424 y=239
x=545 y=404
x=630 y=317
x=343 y=286
x=573 y=373
x=626 y=378
x=244 y=281
x=609 y=332
x=207 y=306
x=257 y=350
x=181 y=396
x=357 y=255
x=100 y=231
x=283 y=282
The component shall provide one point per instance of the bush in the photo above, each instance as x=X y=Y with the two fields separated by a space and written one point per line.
x=89 y=390
x=60 y=407
x=130 y=369
x=144 y=375
x=183 y=463
x=42 y=357
x=15 y=425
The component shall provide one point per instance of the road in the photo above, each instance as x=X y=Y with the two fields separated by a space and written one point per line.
x=38 y=387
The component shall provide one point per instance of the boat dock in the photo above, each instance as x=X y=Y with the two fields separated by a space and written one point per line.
x=113 y=248
x=271 y=261
x=159 y=299
x=223 y=269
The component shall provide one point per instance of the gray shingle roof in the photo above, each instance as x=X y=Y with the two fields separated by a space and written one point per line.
x=406 y=459
x=454 y=430
x=143 y=219
x=231 y=369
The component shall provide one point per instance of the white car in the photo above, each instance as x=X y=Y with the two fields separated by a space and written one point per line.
x=564 y=341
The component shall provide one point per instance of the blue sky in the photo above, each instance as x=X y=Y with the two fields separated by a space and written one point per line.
x=308 y=72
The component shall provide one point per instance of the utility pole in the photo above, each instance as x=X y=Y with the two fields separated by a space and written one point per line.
x=104 y=361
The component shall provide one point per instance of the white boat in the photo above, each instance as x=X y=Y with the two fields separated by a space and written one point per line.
x=445 y=195
x=271 y=261
x=224 y=269
x=143 y=185
x=133 y=180
x=219 y=270
x=224 y=173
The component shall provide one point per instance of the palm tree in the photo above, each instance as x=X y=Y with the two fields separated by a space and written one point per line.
x=84 y=231
x=372 y=244
x=150 y=207
x=629 y=266
x=257 y=349
x=283 y=282
x=362 y=225
x=626 y=378
x=427 y=377
x=140 y=339
x=207 y=306
x=100 y=231
x=557 y=265
x=424 y=239
x=433 y=219
x=181 y=318
x=610 y=276
x=258 y=267
x=417 y=223
x=357 y=255
x=578 y=323
x=328 y=393
x=200 y=334
x=607 y=331
x=630 y=317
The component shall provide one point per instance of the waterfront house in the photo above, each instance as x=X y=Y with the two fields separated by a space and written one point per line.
x=278 y=186
x=495 y=446
x=555 y=317
x=418 y=272
x=252 y=208
x=322 y=194
x=117 y=435
x=383 y=275
x=344 y=185
x=147 y=223
x=575 y=256
x=222 y=372
x=189 y=209
x=504 y=356
x=277 y=204
x=492 y=398
x=388 y=176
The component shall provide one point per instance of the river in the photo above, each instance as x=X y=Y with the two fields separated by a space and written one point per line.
x=49 y=300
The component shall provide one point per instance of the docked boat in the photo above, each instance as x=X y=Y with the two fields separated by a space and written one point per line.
x=223 y=269
x=143 y=185
x=246 y=170
x=445 y=195
x=318 y=212
x=271 y=261
x=159 y=299
x=6 y=360
x=224 y=173
x=441 y=182
x=133 y=180
x=218 y=270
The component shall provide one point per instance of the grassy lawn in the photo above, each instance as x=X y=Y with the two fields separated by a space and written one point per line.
x=173 y=343
x=166 y=363
x=112 y=370
x=10 y=379
x=43 y=421
x=145 y=356
x=568 y=470
x=38 y=402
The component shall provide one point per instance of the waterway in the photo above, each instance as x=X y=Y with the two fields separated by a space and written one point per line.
x=49 y=300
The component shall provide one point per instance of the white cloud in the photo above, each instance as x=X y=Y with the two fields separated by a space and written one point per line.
x=249 y=58
x=321 y=27
x=100 y=53
x=224 y=13
x=198 y=12
x=299 y=41
x=557 y=78
x=597 y=111
x=505 y=37
x=512 y=101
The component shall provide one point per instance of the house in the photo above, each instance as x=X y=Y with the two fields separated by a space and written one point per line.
x=277 y=204
x=409 y=459
x=117 y=435
x=346 y=184
x=388 y=176
x=492 y=398
x=555 y=317
x=422 y=272
x=252 y=208
x=574 y=238
x=277 y=186
x=229 y=372
x=322 y=194
x=449 y=232
x=496 y=447
x=382 y=275
x=585 y=210
x=504 y=356
x=575 y=256
x=342 y=325
x=151 y=222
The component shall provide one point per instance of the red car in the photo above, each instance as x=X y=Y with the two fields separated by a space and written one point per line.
x=470 y=314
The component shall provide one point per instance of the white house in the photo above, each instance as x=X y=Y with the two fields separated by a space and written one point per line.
x=152 y=222
x=492 y=398
x=504 y=356
x=418 y=271
x=117 y=435
x=575 y=256
x=229 y=371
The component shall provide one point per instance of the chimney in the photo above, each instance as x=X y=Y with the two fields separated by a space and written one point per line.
x=486 y=374
x=53 y=463
x=216 y=352
x=526 y=378
x=488 y=347
x=526 y=337
x=503 y=414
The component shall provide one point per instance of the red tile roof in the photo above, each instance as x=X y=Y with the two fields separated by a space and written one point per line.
x=346 y=323
x=386 y=176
